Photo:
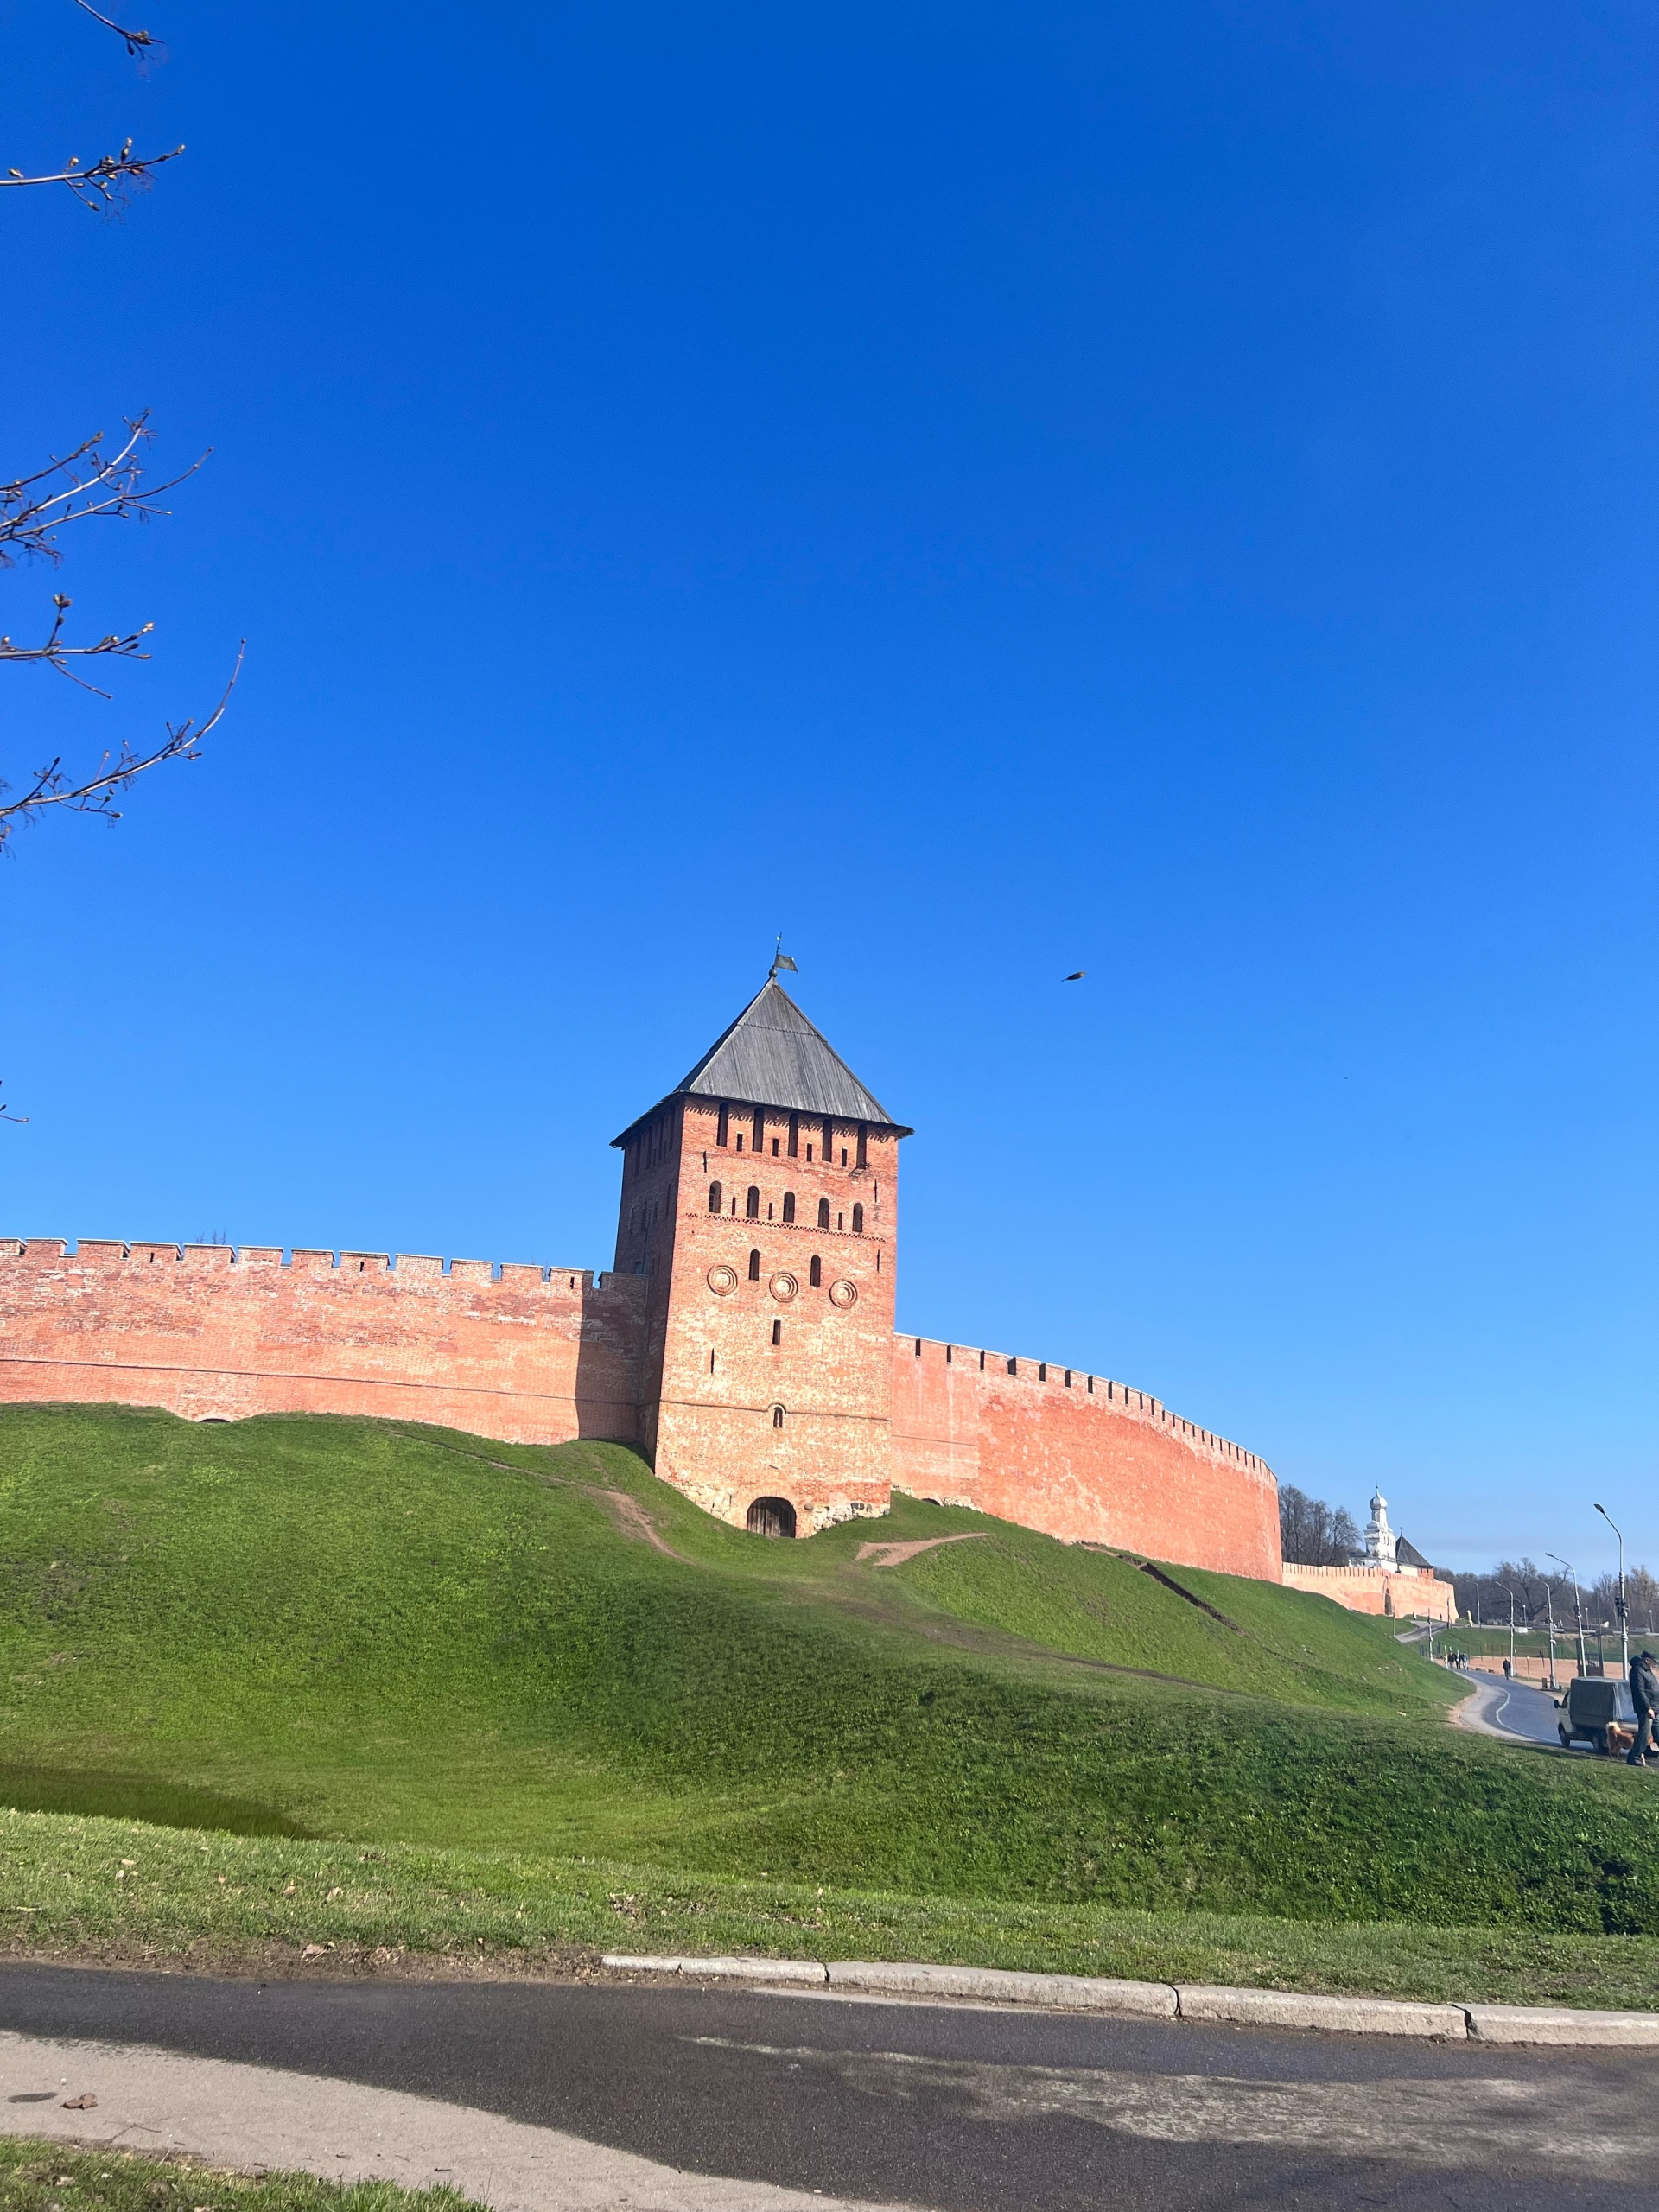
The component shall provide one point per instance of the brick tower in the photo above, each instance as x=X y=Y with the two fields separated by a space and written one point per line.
x=760 y=1200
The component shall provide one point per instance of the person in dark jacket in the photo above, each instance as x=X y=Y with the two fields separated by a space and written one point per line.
x=1644 y=1696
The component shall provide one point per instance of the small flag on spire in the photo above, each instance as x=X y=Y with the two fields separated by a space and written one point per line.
x=782 y=960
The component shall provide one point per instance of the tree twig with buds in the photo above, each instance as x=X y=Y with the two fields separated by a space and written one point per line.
x=99 y=793
x=139 y=44
x=85 y=485
x=53 y=653
x=111 y=181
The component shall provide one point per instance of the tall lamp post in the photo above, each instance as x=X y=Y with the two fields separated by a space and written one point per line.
x=1624 y=1624
x=1578 y=1606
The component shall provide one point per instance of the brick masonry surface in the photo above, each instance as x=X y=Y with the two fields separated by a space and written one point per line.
x=767 y=1241
x=1413 y=1592
x=527 y=1354
x=1079 y=1456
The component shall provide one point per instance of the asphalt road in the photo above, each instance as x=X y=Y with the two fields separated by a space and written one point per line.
x=1520 y=1710
x=935 y=2106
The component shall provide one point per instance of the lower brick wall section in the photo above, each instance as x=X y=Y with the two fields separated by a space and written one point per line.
x=1035 y=1444
x=521 y=1354
x=1409 y=1593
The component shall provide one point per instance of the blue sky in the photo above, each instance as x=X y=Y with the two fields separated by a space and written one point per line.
x=984 y=491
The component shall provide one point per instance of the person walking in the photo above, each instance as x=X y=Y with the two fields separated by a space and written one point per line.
x=1644 y=1696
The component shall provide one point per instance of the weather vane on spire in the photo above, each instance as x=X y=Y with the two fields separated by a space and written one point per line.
x=781 y=959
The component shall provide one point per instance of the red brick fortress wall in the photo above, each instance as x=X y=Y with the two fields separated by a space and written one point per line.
x=1404 y=1593
x=1079 y=1457
x=527 y=1354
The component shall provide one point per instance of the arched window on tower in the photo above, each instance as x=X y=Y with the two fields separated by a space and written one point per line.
x=815 y=1273
x=754 y=1267
x=716 y=1198
x=789 y=1205
x=777 y=1333
x=823 y=1213
x=858 y=1221
x=777 y=1416
x=722 y=1131
x=752 y=1207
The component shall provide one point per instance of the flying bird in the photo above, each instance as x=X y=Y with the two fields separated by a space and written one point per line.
x=1077 y=977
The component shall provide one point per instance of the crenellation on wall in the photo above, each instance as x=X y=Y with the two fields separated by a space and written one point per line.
x=525 y=1353
x=1113 y=1466
x=1396 y=1592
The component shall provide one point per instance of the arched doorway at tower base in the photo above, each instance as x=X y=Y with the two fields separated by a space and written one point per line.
x=771 y=1516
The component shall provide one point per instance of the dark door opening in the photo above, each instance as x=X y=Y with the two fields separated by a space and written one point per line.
x=771 y=1516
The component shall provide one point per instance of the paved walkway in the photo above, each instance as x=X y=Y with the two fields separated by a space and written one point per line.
x=157 y=2102
x=565 y=2098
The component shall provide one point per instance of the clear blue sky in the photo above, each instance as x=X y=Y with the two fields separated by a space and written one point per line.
x=984 y=491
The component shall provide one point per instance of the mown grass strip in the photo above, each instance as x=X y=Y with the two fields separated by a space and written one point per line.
x=124 y=1892
x=39 y=2176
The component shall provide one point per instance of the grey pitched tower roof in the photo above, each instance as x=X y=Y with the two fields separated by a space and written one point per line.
x=772 y=1055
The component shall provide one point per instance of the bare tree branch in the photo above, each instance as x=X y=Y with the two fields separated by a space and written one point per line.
x=53 y=653
x=111 y=181
x=51 y=787
x=86 y=483
x=94 y=482
x=141 y=45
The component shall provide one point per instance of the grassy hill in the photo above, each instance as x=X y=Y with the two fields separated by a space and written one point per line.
x=339 y=1629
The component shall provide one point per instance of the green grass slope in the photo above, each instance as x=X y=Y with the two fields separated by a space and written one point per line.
x=408 y=1636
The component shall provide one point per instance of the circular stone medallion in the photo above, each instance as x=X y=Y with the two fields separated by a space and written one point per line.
x=722 y=1282
x=843 y=1294
x=783 y=1287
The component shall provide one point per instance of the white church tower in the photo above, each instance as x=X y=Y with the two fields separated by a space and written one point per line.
x=1381 y=1541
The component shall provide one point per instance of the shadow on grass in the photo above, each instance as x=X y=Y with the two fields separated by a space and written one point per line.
x=141 y=1797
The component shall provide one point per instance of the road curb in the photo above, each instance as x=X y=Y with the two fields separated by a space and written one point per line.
x=810 y=1972
x=1162 y=2000
x=1296 y=2008
x=1556 y=2024
x=1065 y=1992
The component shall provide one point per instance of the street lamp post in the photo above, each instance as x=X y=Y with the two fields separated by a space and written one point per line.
x=1577 y=1606
x=1624 y=1624
x=1504 y=1585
